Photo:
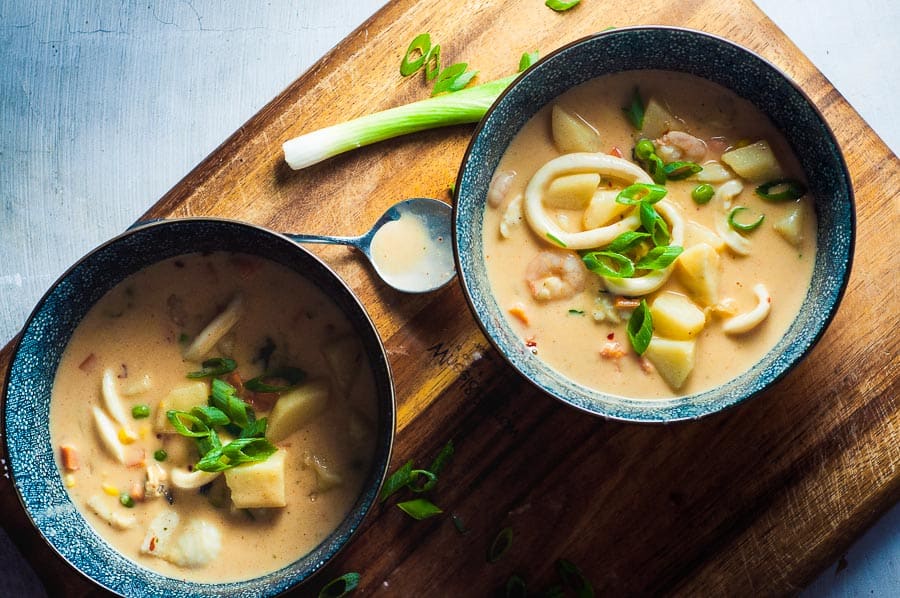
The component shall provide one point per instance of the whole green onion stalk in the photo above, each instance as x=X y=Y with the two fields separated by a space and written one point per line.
x=460 y=107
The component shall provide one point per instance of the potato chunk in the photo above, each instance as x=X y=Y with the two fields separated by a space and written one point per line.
x=697 y=268
x=181 y=398
x=603 y=209
x=258 y=485
x=295 y=408
x=675 y=316
x=790 y=226
x=673 y=359
x=695 y=234
x=571 y=133
x=572 y=191
x=344 y=355
x=755 y=162
x=657 y=120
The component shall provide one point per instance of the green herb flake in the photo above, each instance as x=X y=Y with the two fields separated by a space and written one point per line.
x=556 y=240
x=576 y=312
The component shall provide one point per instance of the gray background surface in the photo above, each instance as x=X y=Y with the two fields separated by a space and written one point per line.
x=107 y=104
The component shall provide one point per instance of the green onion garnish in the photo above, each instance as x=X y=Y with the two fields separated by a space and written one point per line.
x=574 y=578
x=340 y=586
x=627 y=241
x=433 y=63
x=419 y=508
x=414 y=485
x=561 y=5
x=224 y=397
x=290 y=375
x=703 y=193
x=397 y=480
x=217 y=366
x=453 y=78
x=781 y=190
x=638 y=192
x=160 y=455
x=609 y=264
x=126 y=500
x=211 y=416
x=416 y=54
x=654 y=224
x=659 y=258
x=187 y=424
x=675 y=171
x=656 y=168
x=744 y=228
x=515 y=587
x=236 y=452
x=635 y=110
x=442 y=458
x=527 y=59
x=140 y=411
x=501 y=544
x=640 y=328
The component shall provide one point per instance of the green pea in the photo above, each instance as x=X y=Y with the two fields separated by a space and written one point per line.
x=140 y=411
x=703 y=193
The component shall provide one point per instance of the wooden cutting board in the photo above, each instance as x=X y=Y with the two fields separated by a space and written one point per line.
x=753 y=501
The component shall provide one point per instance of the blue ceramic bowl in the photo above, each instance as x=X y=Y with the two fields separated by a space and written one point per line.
x=37 y=355
x=717 y=60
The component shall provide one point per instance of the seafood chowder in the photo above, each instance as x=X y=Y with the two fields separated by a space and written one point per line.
x=649 y=235
x=214 y=417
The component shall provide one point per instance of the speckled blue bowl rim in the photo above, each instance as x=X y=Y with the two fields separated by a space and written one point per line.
x=730 y=65
x=32 y=369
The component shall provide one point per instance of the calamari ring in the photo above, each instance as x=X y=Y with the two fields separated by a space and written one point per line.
x=737 y=242
x=642 y=285
x=603 y=164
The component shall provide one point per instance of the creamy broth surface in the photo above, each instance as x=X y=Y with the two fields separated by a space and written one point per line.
x=140 y=330
x=594 y=351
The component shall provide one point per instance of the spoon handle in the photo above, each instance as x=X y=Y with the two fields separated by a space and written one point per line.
x=352 y=241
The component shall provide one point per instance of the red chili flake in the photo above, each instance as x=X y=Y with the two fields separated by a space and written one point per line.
x=611 y=336
x=530 y=342
x=152 y=545
x=615 y=151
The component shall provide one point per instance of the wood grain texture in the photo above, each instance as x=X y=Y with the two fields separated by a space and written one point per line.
x=754 y=501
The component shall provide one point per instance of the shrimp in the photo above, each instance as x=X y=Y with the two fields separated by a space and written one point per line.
x=555 y=274
x=678 y=145
x=499 y=187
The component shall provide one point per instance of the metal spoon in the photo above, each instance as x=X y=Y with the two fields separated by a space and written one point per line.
x=415 y=255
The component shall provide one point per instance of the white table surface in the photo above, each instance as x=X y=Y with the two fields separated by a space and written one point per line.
x=106 y=105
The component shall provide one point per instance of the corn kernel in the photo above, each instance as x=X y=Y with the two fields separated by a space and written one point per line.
x=126 y=436
x=69 y=480
x=144 y=431
x=109 y=489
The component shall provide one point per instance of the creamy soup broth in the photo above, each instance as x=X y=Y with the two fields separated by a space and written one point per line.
x=140 y=331
x=594 y=351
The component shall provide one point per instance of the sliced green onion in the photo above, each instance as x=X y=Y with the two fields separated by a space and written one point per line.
x=609 y=264
x=574 y=578
x=640 y=328
x=656 y=168
x=236 y=452
x=140 y=411
x=744 y=228
x=433 y=63
x=464 y=106
x=556 y=240
x=126 y=500
x=675 y=171
x=211 y=416
x=643 y=149
x=654 y=224
x=442 y=458
x=515 y=587
x=430 y=480
x=397 y=480
x=255 y=429
x=416 y=54
x=419 y=508
x=224 y=397
x=638 y=192
x=703 y=193
x=292 y=376
x=501 y=545
x=453 y=78
x=561 y=5
x=659 y=258
x=340 y=586
x=217 y=366
x=627 y=241
x=160 y=455
x=635 y=110
x=187 y=424
x=781 y=190
x=527 y=59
